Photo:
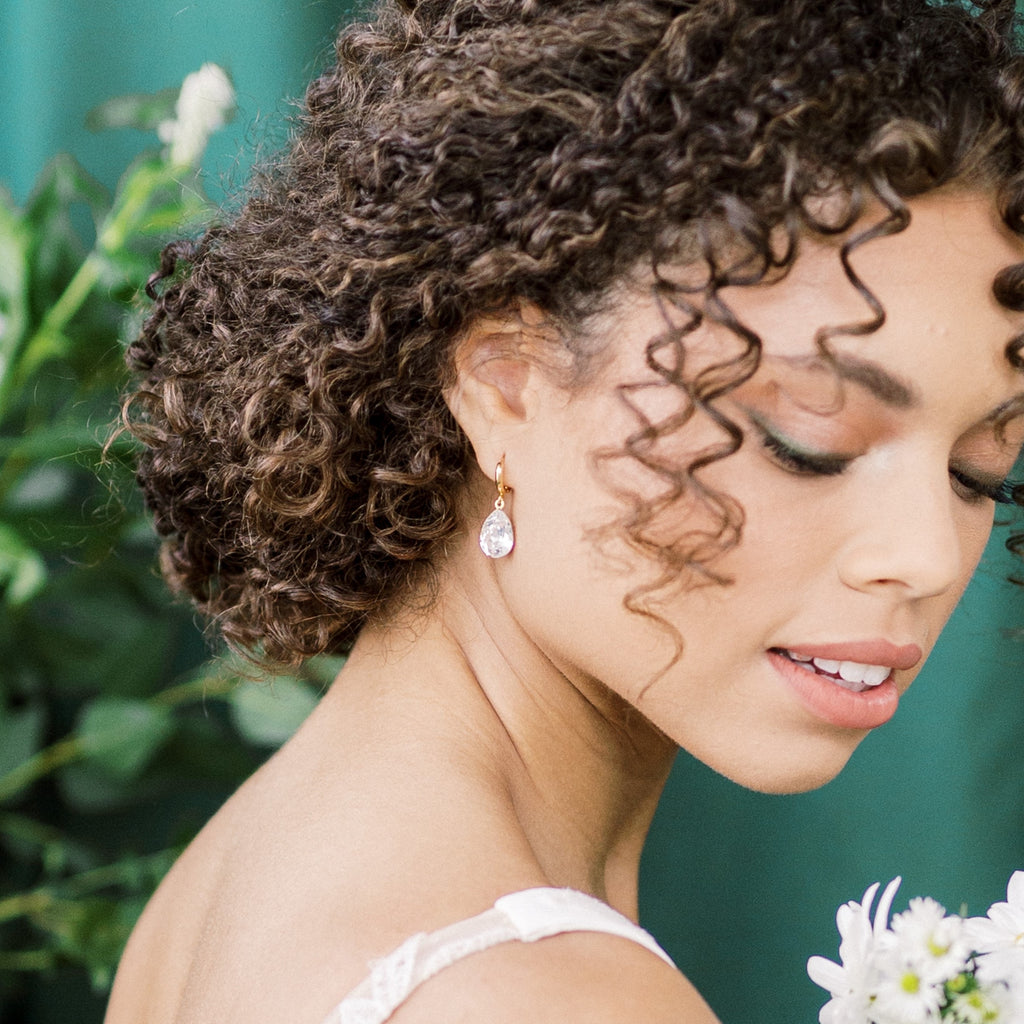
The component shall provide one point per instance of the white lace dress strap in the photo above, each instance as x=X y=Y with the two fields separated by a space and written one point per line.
x=519 y=917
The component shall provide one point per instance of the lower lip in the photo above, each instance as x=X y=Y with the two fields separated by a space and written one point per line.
x=832 y=703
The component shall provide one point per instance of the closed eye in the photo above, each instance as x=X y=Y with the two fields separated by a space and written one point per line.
x=796 y=459
x=971 y=489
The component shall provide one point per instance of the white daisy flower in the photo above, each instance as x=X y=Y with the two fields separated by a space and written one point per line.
x=902 y=996
x=931 y=944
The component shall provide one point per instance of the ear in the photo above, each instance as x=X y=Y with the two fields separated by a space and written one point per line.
x=506 y=367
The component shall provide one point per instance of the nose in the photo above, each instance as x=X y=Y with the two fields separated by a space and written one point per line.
x=908 y=535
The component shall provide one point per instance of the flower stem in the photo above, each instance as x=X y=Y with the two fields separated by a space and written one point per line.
x=57 y=318
x=39 y=765
x=27 y=960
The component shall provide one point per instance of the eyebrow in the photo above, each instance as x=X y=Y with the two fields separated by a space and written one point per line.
x=886 y=387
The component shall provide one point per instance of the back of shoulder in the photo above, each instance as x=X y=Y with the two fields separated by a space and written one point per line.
x=574 y=978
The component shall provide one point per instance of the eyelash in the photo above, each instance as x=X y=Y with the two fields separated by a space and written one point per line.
x=804 y=463
x=1001 y=493
x=794 y=460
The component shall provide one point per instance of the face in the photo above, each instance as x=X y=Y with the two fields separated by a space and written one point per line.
x=867 y=503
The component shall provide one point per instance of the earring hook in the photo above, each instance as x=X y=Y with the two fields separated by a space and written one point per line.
x=499 y=482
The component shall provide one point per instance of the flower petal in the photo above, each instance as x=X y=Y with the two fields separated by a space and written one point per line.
x=1015 y=889
x=884 y=905
x=827 y=975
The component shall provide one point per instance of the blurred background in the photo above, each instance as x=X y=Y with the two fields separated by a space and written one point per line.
x=122 y=728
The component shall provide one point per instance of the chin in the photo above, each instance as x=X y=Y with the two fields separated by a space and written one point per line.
x=801 y=767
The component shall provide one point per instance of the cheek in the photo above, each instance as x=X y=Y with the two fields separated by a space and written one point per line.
x=785 y=518
x=568 y=585
x=572 y=575
x=975 y=529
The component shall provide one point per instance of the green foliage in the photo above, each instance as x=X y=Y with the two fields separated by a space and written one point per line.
x=119 y=733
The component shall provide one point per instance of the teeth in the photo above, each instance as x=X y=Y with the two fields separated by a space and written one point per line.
x=828 y=665
x=852 y=675
x=852 y=672
x=869 y=675
x=879 y=675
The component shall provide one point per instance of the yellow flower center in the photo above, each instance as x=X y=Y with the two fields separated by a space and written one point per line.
x=910 y=983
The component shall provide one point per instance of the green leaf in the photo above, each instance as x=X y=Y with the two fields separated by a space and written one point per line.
x=21 y=734
x=57 y=246
x=63 y=273
x=120 y=735
x=62 y=183
x=269 y=713
x=22 y=570
x=46 y=485
x=144 y=111
x=113 y=638
x=89 y=789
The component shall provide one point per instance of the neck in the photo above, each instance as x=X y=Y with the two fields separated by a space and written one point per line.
x=577 y=769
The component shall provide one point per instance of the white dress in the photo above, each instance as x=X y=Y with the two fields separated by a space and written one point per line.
x=519 y=917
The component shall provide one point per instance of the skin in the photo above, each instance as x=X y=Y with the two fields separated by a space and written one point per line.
x=517 y=731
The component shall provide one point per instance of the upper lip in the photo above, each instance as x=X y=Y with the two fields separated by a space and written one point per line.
x=864 y=652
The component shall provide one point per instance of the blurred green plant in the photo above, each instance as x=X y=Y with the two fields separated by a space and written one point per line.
x=120 y=730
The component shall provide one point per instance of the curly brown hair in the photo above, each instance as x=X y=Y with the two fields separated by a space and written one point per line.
x=463 y=156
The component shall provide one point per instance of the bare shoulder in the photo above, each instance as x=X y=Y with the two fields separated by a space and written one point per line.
x=155 y=958
x=584 y=977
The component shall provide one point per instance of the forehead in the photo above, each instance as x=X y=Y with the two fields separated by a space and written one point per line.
x=933 y=283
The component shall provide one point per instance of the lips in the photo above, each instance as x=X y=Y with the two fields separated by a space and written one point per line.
x=865 y=652
x=849 y=685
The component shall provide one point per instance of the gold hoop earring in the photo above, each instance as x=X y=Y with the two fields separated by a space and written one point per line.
x=496 y=535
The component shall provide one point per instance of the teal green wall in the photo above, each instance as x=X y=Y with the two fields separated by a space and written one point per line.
x=60 y=59
x=740 y=887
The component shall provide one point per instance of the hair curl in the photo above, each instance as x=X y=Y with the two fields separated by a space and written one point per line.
x=466 y=155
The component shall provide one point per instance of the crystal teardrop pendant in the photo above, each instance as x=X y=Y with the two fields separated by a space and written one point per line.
x=496 y=537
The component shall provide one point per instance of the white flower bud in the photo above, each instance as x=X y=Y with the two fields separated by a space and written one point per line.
x=205 y=100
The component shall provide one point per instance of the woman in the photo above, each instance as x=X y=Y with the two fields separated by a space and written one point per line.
x=608 y=377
